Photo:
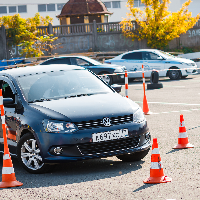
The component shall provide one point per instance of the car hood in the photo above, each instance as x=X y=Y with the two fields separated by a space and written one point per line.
x=112 y=66
x=86 y=108
x=184 y=60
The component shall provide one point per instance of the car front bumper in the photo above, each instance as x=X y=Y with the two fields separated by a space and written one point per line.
x=79 y=146
x=119 y=78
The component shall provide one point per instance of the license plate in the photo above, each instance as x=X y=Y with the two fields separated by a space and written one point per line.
x=109 y=135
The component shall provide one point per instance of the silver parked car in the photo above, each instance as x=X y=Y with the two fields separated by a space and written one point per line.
x=167 y=64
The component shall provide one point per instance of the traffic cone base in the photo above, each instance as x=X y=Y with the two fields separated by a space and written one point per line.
x=10 y=184
x=162 y=179
x=183 y=146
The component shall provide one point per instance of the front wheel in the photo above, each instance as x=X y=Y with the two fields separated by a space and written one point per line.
x=137 y=156
x=174 y=74
x=29 y=155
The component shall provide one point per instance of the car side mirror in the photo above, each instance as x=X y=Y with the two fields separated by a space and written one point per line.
x=117 y=87
x=9 y=102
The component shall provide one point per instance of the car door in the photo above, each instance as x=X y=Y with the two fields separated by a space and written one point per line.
x=133 y=63
x=152 y=61
x=10 y=117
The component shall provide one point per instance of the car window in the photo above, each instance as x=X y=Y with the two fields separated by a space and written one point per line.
x=7 y=91
x=153 y=56
x=81 y=62
x=57 y=61
x=133 y=56
x=149 y=56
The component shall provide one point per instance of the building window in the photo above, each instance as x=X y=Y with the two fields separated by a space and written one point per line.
x=41 y=7
x=138 y=3
x=22 y=9
x=107 y=4
x=12 y=9
x=60 y=6
x=113 y=4
x=3 y=9
x=51 y=7
x=116 y=4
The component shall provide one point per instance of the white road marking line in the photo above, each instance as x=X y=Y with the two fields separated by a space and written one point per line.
x=186 y=104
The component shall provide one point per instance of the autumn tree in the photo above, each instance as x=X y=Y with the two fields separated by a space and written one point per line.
x=21 y=29
x=24 y=33
x=155 y=23
x=37 y=46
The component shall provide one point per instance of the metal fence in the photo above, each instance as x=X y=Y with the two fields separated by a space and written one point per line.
x=82 y=28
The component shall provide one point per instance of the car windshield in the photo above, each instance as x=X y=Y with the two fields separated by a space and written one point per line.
x=60 y=84
x=165 y=54
x=94 y=62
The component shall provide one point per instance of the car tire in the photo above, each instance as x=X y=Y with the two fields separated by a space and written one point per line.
x=106 y=78
x=29 y=156
x=154 y=85
x=174 y=74
x=137 y=156
x=154 y=77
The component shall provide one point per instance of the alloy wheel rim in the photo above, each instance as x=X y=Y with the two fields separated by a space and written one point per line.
x=30 y=155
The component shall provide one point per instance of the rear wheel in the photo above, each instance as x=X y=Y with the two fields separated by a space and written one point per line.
x=29 y=155
x=174 y=74
x=106 y=78
x=133 y=156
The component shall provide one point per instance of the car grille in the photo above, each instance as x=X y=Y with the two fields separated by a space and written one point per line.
x=98 y=123
x=109 y=146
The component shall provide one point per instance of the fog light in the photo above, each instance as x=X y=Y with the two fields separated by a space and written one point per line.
x=148 y=136
x=58 y=150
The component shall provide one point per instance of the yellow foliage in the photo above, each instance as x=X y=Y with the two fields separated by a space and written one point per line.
x=156 y=23
x=21 y=29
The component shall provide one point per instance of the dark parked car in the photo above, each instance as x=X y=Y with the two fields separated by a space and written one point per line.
x=59 y=113
x=92 y=65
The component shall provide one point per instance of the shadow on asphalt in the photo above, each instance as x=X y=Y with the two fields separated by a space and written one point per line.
x=173 y=150
x=143 y=187
x=74 y=172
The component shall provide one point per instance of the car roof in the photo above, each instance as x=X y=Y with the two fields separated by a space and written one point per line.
x=60 y=57
x=39 y=69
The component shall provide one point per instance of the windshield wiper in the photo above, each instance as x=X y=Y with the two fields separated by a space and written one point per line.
x=39 y=100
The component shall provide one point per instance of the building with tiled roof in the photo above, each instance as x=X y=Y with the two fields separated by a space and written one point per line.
x=83 y=11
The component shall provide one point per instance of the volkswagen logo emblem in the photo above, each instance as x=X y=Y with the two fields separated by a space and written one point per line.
x=106 y=121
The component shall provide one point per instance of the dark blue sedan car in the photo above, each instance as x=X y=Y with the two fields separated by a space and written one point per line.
x=110 y=73
x=56 y=114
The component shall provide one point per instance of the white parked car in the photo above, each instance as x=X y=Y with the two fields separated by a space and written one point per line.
x=165 y=63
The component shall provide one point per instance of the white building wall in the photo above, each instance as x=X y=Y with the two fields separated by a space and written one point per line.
x=119 y=11
x=32 y=8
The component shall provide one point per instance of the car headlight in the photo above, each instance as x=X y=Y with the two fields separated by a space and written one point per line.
x=119 y=70
x=138 y=116
x=189 y=64
x=59 y=126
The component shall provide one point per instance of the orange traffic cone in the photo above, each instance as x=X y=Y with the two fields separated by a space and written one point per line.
x=8 y=174
x=183 y=142
x=11 y=133
x=156 y=170
x=145 y=106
